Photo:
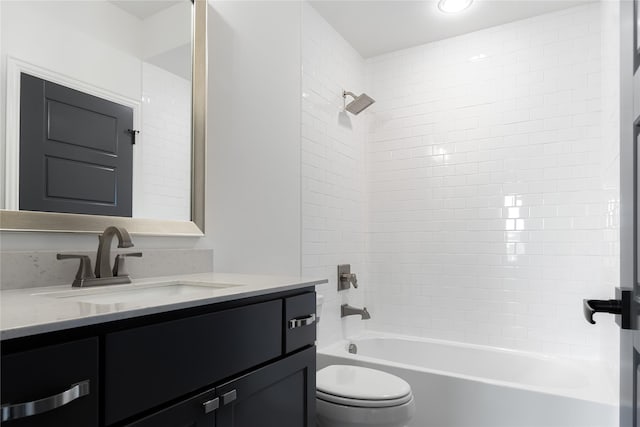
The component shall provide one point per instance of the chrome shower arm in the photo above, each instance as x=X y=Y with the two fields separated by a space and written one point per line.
x=351 y=94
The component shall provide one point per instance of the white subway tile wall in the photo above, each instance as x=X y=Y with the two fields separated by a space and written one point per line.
x=333 y=171
x=162 y=183
x=477 y=199
x=489 y=217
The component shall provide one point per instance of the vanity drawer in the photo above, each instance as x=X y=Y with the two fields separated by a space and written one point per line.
x=61 y=379
x=153 y=364
x=300 y=321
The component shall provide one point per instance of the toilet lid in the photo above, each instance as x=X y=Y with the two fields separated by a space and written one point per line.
x=356 y=382
x=362 y=403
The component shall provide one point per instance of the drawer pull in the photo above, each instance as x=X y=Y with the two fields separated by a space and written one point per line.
x=302 y=321
x=27 y=409
x=211 y=405
x=229 y=397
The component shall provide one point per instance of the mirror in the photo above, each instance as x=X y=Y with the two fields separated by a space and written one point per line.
x=105 y=115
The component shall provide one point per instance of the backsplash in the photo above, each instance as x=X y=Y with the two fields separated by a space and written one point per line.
x=20 y=270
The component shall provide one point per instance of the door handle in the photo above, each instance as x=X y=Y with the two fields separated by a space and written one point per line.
x=593 y=306
x=620 y=307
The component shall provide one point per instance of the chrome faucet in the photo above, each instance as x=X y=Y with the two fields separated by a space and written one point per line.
x=347 y=310
x=104 y=273
x=103 y=262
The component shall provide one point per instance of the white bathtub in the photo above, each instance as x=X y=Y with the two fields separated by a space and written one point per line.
x=459 y=385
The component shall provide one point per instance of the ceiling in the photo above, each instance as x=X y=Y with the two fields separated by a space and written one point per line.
x=382 y=26
x=143 y=9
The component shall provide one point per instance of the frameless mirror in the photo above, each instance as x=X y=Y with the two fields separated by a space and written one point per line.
x=104 y=115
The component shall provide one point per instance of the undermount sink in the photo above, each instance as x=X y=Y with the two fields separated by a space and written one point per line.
x=137 y=293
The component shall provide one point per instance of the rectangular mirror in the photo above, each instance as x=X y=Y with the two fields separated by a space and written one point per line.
x=105 y=115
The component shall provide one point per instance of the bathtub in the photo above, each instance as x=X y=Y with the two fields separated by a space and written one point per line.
x=460 y=385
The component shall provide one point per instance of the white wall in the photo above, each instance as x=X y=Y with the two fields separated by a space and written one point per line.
x=253 y=221
x=488 y=215
x=333 y=171
x=166 y=30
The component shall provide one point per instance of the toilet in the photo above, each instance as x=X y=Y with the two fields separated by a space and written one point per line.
x=354 y=396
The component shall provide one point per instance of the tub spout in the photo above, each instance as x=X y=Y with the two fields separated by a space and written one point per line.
x=347 y=310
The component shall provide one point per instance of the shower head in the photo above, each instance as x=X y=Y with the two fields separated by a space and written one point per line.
x=359 y=103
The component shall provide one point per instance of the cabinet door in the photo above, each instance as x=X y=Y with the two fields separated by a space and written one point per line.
x=55 y=385
x=281 y=394
x=198 y=411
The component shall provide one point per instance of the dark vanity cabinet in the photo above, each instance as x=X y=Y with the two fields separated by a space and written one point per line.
x=239 y=364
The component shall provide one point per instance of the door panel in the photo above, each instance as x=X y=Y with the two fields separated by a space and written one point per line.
x=82 y=127
x=76 y=153
x=62 y=182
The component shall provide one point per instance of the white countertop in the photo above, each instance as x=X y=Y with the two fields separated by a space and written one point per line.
x=31 y=311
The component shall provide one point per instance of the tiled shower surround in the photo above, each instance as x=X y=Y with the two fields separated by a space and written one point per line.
x=489 y=209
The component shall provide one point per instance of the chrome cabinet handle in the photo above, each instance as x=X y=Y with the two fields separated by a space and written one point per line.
x=27 y=409
x=302 y=321
x=229 y=397
x=211 y=405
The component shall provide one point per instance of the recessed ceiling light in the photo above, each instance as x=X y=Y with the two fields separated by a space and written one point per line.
x=453 y=6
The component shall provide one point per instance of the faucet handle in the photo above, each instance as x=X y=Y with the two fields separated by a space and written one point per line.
x=354 y=280
x=119 y=267
x=349 y=278
x=84 y=270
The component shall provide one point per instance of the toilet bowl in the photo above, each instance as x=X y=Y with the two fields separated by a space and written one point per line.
x=354 y=396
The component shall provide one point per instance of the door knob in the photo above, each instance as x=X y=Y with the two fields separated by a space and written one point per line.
x=621 y=307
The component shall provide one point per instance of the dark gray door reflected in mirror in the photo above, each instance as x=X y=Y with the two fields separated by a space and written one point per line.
x=76 y=153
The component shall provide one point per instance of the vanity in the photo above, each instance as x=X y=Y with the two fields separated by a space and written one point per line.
x=201 y=350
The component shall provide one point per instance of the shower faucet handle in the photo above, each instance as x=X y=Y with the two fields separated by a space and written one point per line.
x=351 y=278
x=346 y=278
